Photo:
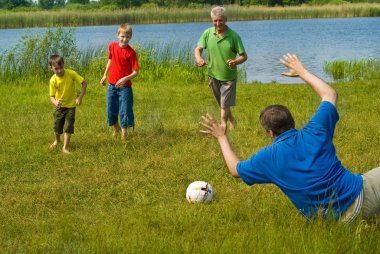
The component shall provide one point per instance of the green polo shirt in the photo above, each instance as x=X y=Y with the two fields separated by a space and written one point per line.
x=219 y=50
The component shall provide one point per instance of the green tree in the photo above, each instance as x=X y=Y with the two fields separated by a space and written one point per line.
x=179 y=3
x=78 y=1
x=48 y=4
x=123 y=3
x=10 y=4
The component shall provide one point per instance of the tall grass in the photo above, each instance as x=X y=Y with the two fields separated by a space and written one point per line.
x=152 y=15
x=29 y=58
x=155 y=60
x=365 y=69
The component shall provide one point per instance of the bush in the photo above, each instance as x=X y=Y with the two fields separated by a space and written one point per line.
x=83 y=7
x=26 y=9
x=111 y=7
x=149 y=6
x=30 y=55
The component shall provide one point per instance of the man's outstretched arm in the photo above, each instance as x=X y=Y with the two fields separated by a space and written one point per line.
x=296 y=69
x=214 y=129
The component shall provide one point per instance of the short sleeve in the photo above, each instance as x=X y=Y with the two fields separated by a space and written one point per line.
x=52 y=88
x=202 y=43
x=77 y=78
x=325 y=118
x=134 y=61
x=110 y=51
x=240 y=47
x=252 y=171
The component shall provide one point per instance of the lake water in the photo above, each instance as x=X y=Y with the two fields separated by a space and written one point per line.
x=315 y=41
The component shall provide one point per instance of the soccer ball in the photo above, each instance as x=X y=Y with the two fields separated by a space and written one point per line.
x=199 y=192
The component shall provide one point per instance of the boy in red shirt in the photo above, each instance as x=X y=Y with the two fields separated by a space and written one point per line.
x=122 y=67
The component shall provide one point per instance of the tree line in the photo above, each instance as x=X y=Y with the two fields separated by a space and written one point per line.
x=50 y=4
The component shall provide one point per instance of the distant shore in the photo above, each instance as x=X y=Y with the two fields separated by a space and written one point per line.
x=64 y=17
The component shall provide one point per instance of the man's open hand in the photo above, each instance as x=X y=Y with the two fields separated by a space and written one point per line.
x=294 y=65
x=211 y=127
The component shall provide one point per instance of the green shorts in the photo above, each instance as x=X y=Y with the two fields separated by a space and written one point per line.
x=64 y=119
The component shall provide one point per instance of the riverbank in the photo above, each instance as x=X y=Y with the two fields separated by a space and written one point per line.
x=172 y=62
x=9 y=19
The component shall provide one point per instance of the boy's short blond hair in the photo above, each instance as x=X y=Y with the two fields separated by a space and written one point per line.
x=125 y=28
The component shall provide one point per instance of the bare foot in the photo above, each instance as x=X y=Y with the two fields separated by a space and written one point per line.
x=123 y=134
x=233 y=124
x=54 y=145
x=115 y=133
x=116 y=130
x=65 y=150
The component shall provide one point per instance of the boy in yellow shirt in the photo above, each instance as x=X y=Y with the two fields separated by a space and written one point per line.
x=64 y=99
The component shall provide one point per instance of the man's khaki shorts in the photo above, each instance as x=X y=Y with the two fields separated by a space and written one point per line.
x=371 y=191
x=224 y=92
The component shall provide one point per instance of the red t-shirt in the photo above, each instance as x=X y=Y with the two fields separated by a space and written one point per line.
x=123 y=61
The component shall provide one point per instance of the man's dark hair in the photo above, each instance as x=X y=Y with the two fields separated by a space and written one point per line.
x=56 y=59
x=277 y=118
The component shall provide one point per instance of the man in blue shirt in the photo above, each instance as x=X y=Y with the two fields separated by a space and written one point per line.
x=303 y=163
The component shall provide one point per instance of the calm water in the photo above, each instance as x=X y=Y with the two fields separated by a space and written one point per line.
x=315 y=41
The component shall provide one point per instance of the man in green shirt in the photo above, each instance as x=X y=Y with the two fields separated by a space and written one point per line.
x=223 y=45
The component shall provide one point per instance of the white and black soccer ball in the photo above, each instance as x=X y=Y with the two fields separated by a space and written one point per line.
x=199 y=192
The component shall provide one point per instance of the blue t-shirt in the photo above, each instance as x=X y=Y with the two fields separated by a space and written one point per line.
x=304 y=165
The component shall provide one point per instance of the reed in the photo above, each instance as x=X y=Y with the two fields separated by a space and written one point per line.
x=159 y=62
x=364 y=69
x=70 y=17
x=304 y=12
x=29 y=58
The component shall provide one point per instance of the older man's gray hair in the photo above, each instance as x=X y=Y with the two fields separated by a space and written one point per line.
x=218 y=11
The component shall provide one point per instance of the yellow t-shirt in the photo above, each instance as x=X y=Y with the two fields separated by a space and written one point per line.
x=64 y=88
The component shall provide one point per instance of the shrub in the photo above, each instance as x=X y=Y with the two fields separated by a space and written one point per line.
x=30 y=55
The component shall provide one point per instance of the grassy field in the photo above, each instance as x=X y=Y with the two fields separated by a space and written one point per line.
x=110 y=196
x=16 y=19
x=113 y=196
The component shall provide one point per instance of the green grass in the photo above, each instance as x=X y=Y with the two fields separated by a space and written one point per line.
x=111 y=196
x=364 y=69
x=69 y=17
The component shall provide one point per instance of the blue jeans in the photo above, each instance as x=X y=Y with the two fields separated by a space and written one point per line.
x=120 y=101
